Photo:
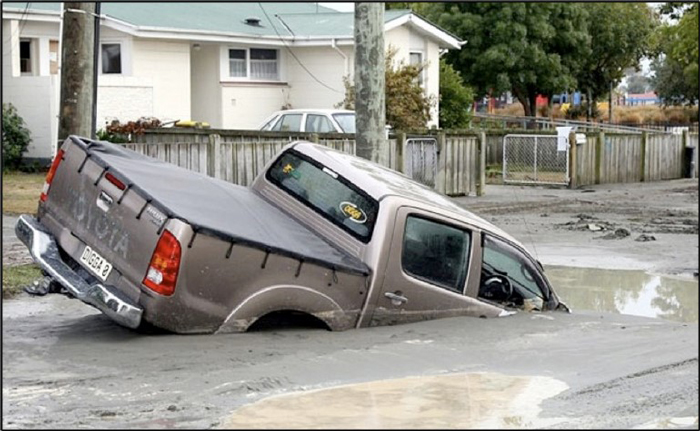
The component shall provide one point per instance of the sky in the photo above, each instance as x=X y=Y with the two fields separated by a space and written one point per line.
x=340 y=6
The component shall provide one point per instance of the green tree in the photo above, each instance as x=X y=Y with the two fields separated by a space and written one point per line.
x=526 y=48
x=455 y=98
x=15 y=137
x=620 y=36
x=676 y=65
x=407 y=105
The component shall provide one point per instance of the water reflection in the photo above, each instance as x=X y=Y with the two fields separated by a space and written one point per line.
x=463 y=400
x=626 y=292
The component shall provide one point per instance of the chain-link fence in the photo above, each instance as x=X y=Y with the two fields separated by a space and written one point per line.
x=534 y=159
x=420 y=160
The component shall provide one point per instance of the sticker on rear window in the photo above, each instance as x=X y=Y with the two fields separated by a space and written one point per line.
x=354 y=213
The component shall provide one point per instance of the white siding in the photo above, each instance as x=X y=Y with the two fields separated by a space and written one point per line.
x=206 y=90
x=328 y=66
x=245 y=106
x=167 y=66
x=35 y=97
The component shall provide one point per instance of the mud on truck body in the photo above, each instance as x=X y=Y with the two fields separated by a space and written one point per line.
x=319 y=232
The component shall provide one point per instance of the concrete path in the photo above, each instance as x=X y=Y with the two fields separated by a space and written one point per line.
x=13 y=251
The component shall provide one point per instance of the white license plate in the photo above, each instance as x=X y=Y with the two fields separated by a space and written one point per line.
x=96 y=263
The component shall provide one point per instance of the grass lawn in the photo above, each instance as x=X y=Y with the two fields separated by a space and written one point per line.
x=14 y=278
x=20 y=192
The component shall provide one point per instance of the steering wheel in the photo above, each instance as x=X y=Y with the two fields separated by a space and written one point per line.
x=497 y=288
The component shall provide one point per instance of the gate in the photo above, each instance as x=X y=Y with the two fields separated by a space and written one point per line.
x=534 y=159
x=420 y=160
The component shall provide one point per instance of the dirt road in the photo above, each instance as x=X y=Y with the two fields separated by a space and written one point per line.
x=67 y=366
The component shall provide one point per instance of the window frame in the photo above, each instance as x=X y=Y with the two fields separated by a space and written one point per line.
x=124 y=52
x=462 y=283
x=280 y=118
x=421 y=77
x=340 y=178
x=325 y=117
x=33 y=63
x=539 y=271
x=225 y=73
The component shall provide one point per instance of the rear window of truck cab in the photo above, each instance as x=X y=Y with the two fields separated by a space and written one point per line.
x=326 y=192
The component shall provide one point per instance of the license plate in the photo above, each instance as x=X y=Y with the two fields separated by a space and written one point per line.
x=96 y=263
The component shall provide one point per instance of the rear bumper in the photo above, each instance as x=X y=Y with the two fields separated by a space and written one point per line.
x=44 y=250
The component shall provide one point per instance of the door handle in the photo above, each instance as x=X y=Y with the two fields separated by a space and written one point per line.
x=396 y=298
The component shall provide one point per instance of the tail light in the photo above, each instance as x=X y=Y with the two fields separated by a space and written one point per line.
x=50 y=175
x=161 y=276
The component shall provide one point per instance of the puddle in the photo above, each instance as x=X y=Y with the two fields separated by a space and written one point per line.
x=627 y=292
x=464 y=400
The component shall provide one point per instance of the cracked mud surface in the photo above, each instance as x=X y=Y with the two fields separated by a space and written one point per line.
x=67 y=366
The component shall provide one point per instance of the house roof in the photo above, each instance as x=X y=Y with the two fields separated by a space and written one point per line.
x=290 y=21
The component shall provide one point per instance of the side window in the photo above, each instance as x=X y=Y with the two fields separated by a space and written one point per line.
x=269 y=124
x=523 y=282
x=318 y=124
x=436 y=253
x=288 y=123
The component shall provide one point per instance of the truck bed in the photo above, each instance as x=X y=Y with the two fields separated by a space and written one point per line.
x=218 y=208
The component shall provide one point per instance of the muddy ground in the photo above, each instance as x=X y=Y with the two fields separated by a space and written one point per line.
x=67 y=366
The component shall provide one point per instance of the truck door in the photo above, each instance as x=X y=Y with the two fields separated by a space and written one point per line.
x=430 y=264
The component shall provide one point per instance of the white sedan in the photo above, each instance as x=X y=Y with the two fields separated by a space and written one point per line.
x=311 y=120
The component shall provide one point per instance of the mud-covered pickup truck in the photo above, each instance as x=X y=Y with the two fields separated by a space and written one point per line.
x=319 y=232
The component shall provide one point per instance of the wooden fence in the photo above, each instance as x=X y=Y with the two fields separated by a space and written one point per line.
x=607 y=158
x=237 y=156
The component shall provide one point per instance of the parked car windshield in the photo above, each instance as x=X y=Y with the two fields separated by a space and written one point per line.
x=346 y=122
x=326 y=192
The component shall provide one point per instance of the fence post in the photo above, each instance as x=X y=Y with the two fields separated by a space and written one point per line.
x=400 y=142
x=441 y=177
x=599 y=156
x=643 y=156
x=214 y=156
x=685 y=141
x=314 y=138
x=572 y=160
x=481 y=164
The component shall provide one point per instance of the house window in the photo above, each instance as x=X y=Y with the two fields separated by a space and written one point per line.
x=111 y=58
x=416 y=58
x=263 y=64
x=53 y=57
x=25 y=56
x=253 y=63
x=237 y=63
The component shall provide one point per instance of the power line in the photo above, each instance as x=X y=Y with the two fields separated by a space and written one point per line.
x=22 y=22
x=292 y=52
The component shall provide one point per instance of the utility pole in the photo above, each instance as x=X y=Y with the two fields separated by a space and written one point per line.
x=77 y=72
x=370 y=111
x=95 y=70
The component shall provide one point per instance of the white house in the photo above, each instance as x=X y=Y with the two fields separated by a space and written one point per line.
x=229 y=64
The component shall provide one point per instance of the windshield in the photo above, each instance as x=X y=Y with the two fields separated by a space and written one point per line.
x=326 y=192
x=346 y=122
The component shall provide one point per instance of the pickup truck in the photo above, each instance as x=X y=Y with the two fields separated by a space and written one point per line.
x=319 y=232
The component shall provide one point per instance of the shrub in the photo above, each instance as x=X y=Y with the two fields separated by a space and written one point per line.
x=407 y=106
x=455 y=98
x=15 y=137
